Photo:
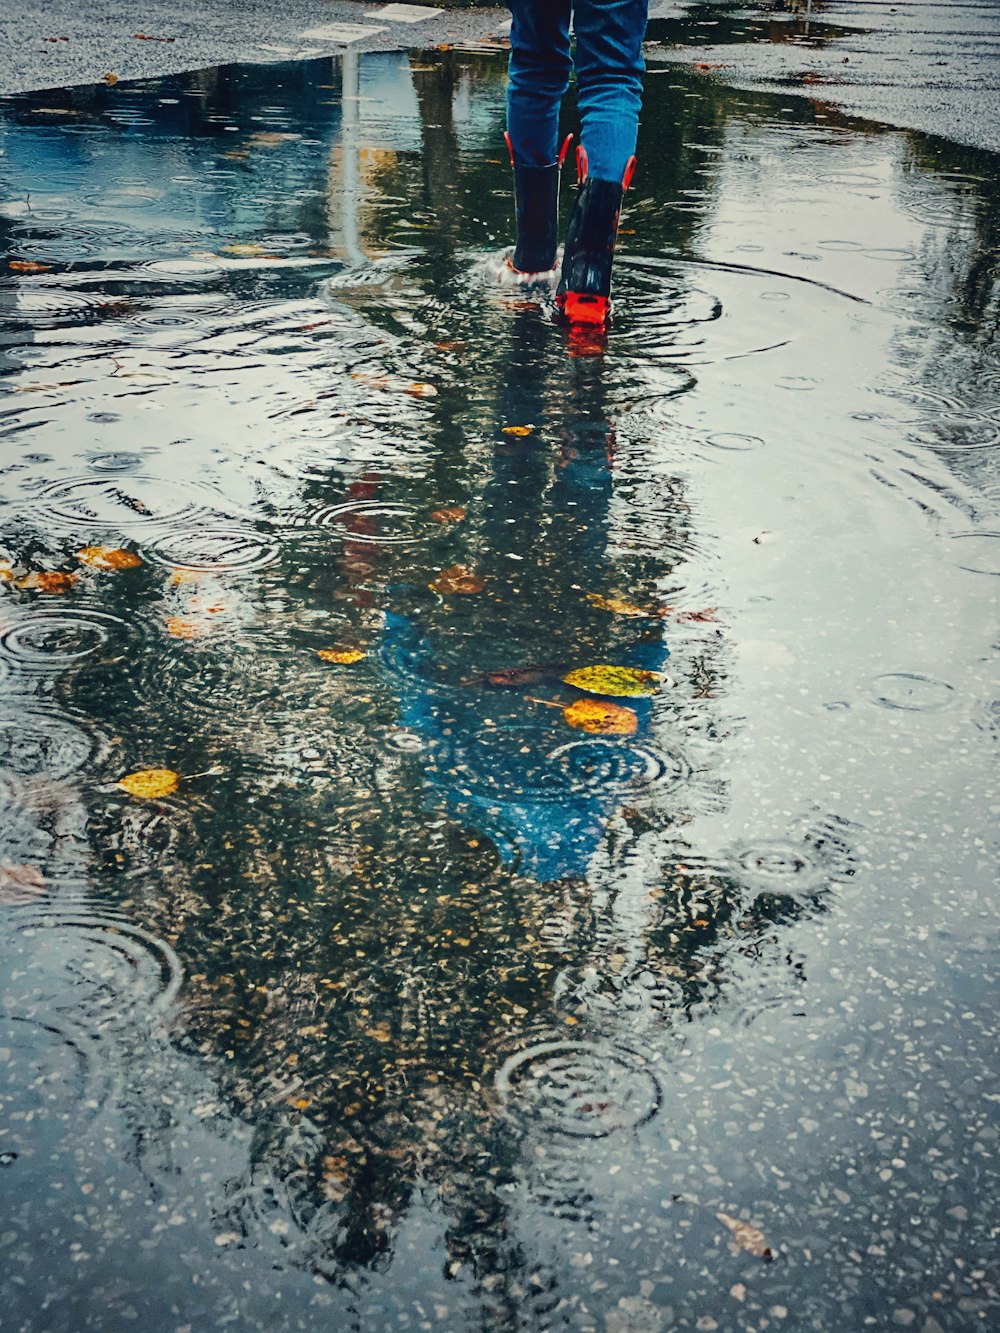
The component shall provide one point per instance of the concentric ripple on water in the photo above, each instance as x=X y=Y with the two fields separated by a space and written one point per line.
x=213 y=549
x=584 y=1089
x=46 y=641
x=37 y=741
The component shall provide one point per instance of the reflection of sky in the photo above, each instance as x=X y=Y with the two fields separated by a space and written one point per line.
x=186 y=155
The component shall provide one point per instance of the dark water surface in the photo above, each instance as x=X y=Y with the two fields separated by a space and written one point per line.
x=414 y=1006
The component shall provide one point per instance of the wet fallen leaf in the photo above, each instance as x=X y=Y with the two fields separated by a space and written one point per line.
x=458 y=578
x=108 y=557
x=110 y=79
x=244 y=251
x=184 y=627
x=703 y=66
x=449 y=514
x=48 y=580
x=28 y=266
x=450 y=347
x=619 y=607
x=420 y=390
x=511 y=677
x=270 y=138
x=342 y=656
x=6 y=573
x=746 y=1237
x=150 y=782
x=20 y=885
x=615 y=680
x=518 y=430
x=181 y=576
x=145 y=37
x=601 y=719
x=316 y=324
x=698 y=617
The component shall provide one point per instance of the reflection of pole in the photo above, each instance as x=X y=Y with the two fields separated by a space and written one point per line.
x=352 y=176
x=809 y=14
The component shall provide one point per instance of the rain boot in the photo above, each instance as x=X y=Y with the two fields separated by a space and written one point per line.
x=536 y=207
x=584 y=291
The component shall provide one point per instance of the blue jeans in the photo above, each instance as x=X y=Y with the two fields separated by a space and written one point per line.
x=609 y=68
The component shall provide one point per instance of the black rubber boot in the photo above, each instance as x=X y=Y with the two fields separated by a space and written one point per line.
x=536 y=207
x=584 y=292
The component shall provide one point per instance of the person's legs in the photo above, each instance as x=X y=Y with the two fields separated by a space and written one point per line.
x=539 y=76
x=539 y=71
x=609 y=69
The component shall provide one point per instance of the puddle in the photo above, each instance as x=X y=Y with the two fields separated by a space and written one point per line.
x=413 y=1004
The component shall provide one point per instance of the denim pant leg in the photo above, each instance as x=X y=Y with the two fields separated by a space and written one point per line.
x=540 y=67
x=609 y=69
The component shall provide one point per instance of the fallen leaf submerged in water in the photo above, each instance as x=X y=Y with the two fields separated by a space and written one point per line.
x=603 y=678
x=458 y=579
x=108 y=557
x=518 y=430
x=185 y=627
x=28 y=266
x=48 y=580
x=746 y=1237
x=601 y=719
x=342 y=656
x=448 y=514
x=20 y=884
x=619 y=607
x=150 y=782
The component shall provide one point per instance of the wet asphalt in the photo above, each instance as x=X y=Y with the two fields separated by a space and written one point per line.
x=922 y=65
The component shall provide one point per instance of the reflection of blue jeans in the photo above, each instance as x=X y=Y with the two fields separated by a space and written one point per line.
x=609 y=68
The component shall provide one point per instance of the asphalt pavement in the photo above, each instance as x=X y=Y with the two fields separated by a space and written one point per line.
x=929 y=65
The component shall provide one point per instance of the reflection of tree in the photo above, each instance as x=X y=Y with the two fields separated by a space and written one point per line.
x=357 y=951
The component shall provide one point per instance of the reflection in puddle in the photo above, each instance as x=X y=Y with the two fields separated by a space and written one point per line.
x=332 y=1021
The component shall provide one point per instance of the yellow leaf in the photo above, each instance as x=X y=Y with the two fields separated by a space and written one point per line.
x=420 y=390
x=746 y=1237
x=108 y=557
x=615 y=680
x=243 y=251
x=6 y=572
x=601 y=719
x=28 y=266
x=518 y=430
x=619 y=607
x=342 y=656
x=48 y=580
x=150 y=782
x=458 y=578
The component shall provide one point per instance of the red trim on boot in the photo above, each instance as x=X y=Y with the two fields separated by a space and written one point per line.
x=582 y=164
x=583 y=308
x=630 y=166
x=510 y=146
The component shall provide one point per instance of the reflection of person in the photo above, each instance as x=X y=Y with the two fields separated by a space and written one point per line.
x=609 y=66
x=505 y=761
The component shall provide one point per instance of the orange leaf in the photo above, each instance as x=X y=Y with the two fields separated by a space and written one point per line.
x=458 y=578
x=28 y=266
x=48 y=580
x=342 y=656
x=601 y=719
x=108 y=557
x=110 y=79
x=449 y=514
x=518 y=430
x=184 y=627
